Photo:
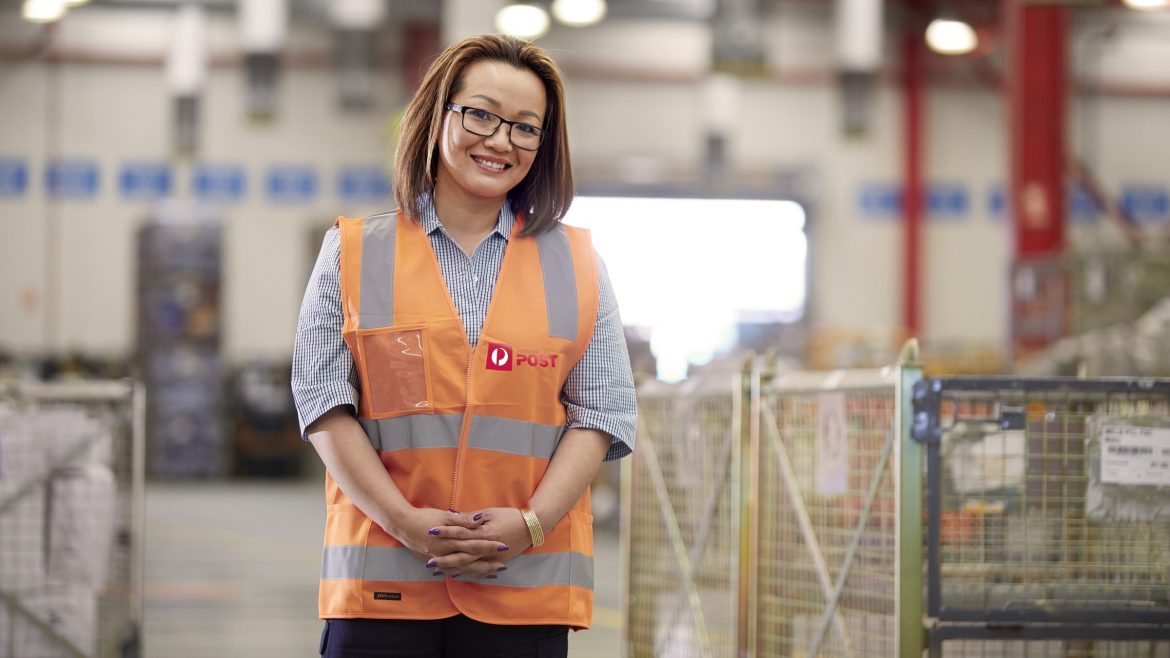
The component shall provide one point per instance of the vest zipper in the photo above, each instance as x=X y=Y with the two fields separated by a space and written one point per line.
x=464 y=429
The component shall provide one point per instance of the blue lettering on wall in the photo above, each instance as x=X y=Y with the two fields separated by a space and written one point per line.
x=291 y=184
x=13 y=177
x=943 y=201
x=145 y=181
x=219 y=183
x=997 y=202
x=1146 y=203
x=879 y=201
x=947 y=201
x=364 y=184
x=71 y=179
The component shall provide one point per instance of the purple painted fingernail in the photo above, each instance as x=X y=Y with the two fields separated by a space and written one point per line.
x=477 y=517
x=433 y=531
x=502 y=569
x=437 y=573
x=503 y=548
x=493 y=576
x=432 y=564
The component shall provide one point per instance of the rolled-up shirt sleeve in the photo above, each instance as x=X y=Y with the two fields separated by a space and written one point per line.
x=599 y=392
x=323 y=373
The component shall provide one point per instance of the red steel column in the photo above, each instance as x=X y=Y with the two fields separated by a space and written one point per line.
x=1037 y=88
x=912 y=190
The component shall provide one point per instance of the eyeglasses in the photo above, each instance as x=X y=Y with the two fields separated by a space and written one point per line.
x=485 y=124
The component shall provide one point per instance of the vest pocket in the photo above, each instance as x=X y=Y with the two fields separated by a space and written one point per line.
x=395 y=370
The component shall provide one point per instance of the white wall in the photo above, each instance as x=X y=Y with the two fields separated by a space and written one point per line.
x=633 y=91
x=119 y=113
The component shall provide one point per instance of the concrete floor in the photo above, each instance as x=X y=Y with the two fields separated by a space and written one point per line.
x=232 y=567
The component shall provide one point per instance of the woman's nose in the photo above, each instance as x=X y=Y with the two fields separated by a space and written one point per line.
x=501 y=140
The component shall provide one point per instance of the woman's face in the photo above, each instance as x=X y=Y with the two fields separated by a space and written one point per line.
x=488 y=167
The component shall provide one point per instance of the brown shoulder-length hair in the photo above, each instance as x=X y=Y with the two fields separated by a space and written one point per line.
x=546 y=192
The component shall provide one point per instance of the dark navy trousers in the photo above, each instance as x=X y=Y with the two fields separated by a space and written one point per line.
x=454 y=637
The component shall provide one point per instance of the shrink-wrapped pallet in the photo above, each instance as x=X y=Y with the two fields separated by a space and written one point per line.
x=74 y=437
x=71 y=614
x=82 y=514
x=23 y=467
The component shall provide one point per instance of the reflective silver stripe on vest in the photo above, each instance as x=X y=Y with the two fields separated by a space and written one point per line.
x=415 y=431
x=543 y=569
x=377 y=286
x=560 y=282
x=373 y=563
x=400 y=565
x=515 y=437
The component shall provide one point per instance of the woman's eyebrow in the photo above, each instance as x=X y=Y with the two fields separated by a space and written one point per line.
x=496 y=104
x=489 y=99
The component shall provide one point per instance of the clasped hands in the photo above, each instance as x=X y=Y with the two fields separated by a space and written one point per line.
x=471 y=543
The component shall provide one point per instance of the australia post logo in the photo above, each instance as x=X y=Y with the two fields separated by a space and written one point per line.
x=502 y=357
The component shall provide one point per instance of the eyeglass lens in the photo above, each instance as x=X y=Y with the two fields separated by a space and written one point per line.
x=482 y=122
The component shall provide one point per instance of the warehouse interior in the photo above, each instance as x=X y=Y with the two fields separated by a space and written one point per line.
x=784 y=193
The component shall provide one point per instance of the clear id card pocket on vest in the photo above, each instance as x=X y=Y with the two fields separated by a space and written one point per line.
x=395 y=370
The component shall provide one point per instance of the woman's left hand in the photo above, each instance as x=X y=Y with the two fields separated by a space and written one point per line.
x=498 y=524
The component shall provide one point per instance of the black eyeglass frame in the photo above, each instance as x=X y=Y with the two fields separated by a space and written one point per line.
x=462 y=110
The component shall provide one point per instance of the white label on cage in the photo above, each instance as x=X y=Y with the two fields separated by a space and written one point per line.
x=832 y=445
x=1135 y=455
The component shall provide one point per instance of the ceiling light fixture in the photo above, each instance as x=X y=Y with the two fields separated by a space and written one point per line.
x=579 y=13
x=43 y=11
x=1147 y=5
x=951 y=37
x=522 y=21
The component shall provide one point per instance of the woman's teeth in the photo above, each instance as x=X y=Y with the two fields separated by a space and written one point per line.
x=498 y=166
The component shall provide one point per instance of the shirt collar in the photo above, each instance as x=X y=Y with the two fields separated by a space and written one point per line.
x=430 y=219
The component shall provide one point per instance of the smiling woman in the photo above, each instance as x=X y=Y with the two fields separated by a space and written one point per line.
x=493 y=65
x=464 y=352
x=480 y=161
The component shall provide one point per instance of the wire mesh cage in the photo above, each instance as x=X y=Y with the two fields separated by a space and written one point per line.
x=71 y=491
x=971 y=648
x=682 y=566
x=764 y=518
x=828 y=524
x=1050 y=512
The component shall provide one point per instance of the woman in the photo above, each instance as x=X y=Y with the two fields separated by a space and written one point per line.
x=461 y=370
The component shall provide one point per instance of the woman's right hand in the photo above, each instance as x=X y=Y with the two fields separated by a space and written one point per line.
x=426 y=531
x=346 y=451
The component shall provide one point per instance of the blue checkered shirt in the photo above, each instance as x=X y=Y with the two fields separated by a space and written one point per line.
x=599 y=391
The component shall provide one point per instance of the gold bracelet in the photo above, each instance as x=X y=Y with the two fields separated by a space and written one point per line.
x=533 y=523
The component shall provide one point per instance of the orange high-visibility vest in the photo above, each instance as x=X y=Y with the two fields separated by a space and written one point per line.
x=459 y=427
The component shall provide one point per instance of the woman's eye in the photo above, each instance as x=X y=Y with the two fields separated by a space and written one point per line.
x=527 y=129
x=482 y=115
